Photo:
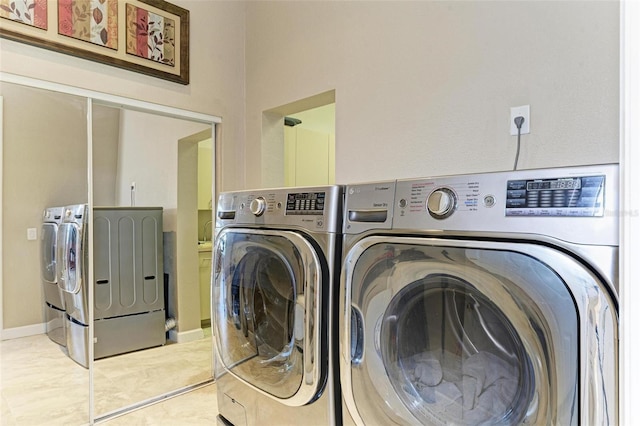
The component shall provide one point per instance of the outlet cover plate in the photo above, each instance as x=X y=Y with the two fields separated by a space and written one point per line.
x=517 y=112
x=32 y=234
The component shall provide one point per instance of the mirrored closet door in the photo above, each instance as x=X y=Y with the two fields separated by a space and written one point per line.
x=137 y=173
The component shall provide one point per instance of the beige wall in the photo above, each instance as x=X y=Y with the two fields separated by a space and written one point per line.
x=421 y=88
x=106 y=137
x=424 y=88
x=148 y=156
x=216 y=88
x=216 y=67
x=41 y=168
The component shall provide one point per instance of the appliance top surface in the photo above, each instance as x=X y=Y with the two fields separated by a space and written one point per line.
x=75 y=213
x=574 y=204
x=313 y=208
x=52 y=214
x=127 y=208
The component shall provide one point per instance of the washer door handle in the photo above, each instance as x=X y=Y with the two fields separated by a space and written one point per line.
x=357 y=336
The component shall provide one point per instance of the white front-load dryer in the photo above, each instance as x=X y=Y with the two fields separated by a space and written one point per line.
x=481 y=299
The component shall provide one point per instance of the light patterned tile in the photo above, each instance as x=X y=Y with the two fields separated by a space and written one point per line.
x=6 y=416
x=198 y=407
x=40 y=385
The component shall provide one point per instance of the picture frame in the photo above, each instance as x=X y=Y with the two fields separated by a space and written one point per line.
x=145 y=36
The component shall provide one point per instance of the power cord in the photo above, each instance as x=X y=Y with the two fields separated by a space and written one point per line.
x=519 y=121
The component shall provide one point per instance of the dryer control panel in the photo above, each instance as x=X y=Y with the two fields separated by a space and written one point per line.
x=570 y=196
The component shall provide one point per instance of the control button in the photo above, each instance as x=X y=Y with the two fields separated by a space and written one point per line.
x=402 y=203
x=441 y=203
x=516 y=203
x=489 y=201
x=516 y=184
x=258 y=206
x=516 y=193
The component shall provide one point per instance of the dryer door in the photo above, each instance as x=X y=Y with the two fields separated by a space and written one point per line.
x=267 y=303
x=448 y=332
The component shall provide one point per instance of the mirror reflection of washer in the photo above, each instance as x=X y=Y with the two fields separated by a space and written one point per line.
x=276 y=260
x=455 y=310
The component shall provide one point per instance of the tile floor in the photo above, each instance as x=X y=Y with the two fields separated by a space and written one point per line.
x=195 y=408
x=40 y=385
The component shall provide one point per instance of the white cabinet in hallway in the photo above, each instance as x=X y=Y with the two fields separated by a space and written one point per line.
x=204 y=258
x=205 y=174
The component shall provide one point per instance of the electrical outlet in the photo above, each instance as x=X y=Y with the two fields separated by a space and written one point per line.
x=32 y=234
x=521 y=111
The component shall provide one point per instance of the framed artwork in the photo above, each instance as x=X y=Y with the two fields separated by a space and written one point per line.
x=146 y=36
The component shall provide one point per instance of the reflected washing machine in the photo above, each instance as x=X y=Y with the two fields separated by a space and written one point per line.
x=275 y=263
x=482 y=299
x=53 y=301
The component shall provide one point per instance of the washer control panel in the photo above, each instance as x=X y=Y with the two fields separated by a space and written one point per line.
x=317 y=208
x=574 y=204
x=440 y=199
x=442 y=203
x=570 y=196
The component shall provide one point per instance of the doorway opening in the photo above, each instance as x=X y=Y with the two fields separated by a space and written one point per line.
x=299 y=142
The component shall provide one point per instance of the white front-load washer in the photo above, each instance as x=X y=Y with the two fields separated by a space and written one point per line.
x=481 y=299
x=276 y=258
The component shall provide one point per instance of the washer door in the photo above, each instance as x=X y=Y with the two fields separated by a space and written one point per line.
x=49 y=232
x=69 y=254
x=445 y=332
x=267 y=299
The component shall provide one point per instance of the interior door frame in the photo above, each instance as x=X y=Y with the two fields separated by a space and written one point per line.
x=629 y=371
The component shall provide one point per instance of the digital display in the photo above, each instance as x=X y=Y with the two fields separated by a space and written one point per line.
x=554 y=184
x=575 y=196
x=305 y=203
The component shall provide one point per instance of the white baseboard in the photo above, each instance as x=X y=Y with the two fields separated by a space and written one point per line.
x=24 y=331
x=186 y=336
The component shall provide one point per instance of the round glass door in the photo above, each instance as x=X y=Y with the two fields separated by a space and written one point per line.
x=458 y=335
x=267 y=295
x=451 y=351
x=69 y=247
x=48 y=252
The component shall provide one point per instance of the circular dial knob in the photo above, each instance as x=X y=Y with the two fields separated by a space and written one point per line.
x=441 y=203
x=258 y=206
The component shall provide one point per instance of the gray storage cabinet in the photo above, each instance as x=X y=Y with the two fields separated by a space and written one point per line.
x=128 y=279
